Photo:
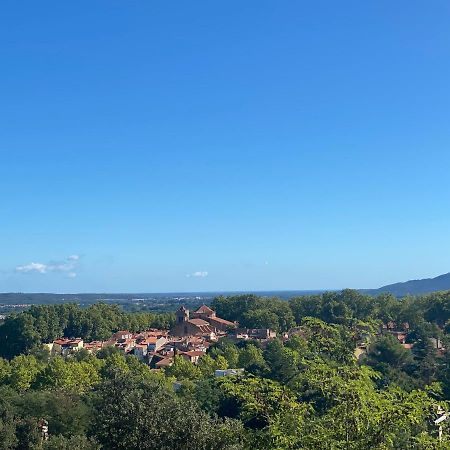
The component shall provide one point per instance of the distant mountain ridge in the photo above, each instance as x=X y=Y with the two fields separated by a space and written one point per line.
x=415 y=287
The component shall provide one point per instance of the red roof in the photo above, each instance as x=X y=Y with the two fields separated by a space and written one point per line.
x=222 y=321
x=199 y=322
x=65 y=341
x=92 y=345
x=156 y=333
x=194 y=353
x=164 y=362
x=202 y=325
x=204 y=310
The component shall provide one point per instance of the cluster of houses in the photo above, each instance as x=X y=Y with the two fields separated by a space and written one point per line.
x=191 y=336
x=398 y=331
x=194 y=332
x=401 y=333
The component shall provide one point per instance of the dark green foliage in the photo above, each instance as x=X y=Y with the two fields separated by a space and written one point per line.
x=252 y=311
x=387 y=350
x=77 y=442
x=8 y=421
x=140 y=415
x=334 y=307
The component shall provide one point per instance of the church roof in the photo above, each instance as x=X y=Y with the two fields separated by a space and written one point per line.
x=204 y=310
x=222 y=321
x=201 y=325
x=199 y=322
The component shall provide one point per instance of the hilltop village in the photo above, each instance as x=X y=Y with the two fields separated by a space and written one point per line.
x=191 y=336
x=194 y=332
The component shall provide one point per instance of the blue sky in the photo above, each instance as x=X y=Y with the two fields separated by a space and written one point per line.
x=193 y=146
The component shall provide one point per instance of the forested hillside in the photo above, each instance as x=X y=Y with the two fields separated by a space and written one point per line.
x=415 y=287
x=306 y=389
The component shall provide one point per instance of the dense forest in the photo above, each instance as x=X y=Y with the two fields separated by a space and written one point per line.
x=304 y=390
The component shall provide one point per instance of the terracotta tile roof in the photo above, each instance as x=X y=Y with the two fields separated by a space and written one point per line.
x=164 y=362
x=400 y=336
x=93 y=346
x=204 y=310
x=222 y=321
x=206 y=330
x=199 y=322
x=126 y=341
x=65 y=341
x=195 y=353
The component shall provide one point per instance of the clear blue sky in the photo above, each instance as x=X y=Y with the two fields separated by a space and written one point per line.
x=168 y=146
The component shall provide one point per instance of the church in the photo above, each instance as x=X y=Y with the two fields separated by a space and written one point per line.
x=200 y=322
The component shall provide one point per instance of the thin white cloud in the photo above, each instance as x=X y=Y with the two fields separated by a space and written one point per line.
x=198 y=274
x=32 y=267
x=68 y=266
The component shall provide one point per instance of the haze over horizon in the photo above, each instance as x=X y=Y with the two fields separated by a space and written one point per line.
x=223 y=147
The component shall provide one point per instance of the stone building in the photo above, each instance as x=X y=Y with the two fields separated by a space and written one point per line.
x=203 y=321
